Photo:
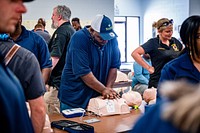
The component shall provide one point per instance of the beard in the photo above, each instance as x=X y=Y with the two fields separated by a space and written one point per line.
x=54 y=25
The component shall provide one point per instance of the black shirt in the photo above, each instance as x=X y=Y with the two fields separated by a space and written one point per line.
x=58 y=48
x=160 y=54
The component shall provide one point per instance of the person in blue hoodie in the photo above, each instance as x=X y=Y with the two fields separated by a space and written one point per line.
x=141 y=76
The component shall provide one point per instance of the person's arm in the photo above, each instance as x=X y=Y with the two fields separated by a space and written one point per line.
x=54 y=61
x=111 y=77
x=90 y=80
x=38 y=113
x=35 y=88
x=46 y=72
x=136 y=54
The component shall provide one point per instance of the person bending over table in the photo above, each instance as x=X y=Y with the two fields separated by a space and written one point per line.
x=92 y=60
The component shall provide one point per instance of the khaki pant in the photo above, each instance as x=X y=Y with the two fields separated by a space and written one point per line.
x=51 y=100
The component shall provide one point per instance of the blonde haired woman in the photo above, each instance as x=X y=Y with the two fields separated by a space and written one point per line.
x=161 y=49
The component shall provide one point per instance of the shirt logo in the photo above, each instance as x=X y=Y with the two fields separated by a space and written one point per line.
x=175 y=47
x=109 y=27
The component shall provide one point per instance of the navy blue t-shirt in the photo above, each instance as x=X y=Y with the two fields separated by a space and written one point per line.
x=180 y=68
x=13 y=111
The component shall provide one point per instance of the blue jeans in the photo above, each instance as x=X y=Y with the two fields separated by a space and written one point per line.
x=64 y=106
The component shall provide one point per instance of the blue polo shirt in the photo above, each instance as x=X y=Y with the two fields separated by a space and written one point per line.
x=37 y=45
x=85 y=56
x=180 y=68
x=13 y=113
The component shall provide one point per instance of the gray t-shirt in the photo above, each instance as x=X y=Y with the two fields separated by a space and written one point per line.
x=26 y=68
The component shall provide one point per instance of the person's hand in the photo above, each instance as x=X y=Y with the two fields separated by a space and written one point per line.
x=109 y=93
x=151 y=69
x=149 y=94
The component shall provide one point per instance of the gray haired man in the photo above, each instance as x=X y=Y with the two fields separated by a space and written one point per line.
x=57 y=47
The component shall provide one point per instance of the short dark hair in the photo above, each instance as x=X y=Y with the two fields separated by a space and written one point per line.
x=76 y=19
x=39 y=25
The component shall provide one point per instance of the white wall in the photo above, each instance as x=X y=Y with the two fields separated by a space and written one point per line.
x=128 y=7
x=194 y=7
x=178 y=10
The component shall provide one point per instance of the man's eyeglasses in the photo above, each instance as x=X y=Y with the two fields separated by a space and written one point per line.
x=166 y=23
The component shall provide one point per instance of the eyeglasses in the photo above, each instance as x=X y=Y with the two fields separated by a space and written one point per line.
x=166 y=23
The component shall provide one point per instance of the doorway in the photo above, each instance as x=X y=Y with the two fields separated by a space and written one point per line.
x=127 y=28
